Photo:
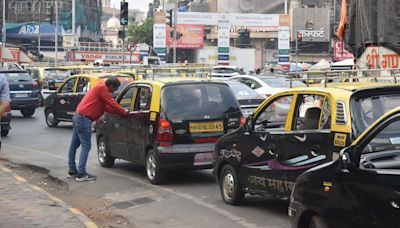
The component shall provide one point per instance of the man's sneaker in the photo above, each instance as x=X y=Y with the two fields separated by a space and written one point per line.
x=85 y=177
x=72 y=174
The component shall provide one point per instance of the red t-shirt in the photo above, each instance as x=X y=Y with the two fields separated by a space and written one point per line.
x=97 y=101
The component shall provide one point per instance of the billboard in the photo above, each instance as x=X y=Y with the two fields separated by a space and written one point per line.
x=339 y=51
x=254 y=6
x=312 y=23
x=188 y=36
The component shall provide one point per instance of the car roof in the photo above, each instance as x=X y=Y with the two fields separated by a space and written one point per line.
x=102 y=75
x=344 y=87
x=224 y=66
x=12 y=71
x=175 y=80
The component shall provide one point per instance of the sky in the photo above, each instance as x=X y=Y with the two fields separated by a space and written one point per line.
x=142 y=5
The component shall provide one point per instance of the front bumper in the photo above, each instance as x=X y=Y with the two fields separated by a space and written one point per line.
x=186 y=156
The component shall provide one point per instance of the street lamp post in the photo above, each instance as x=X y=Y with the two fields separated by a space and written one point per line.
x=56 y=34
x=3 y=31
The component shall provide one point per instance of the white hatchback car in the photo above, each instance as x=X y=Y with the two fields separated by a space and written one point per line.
x=266 y=85
x=224 y=72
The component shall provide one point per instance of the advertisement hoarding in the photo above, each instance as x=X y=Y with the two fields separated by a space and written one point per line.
x=188 y=36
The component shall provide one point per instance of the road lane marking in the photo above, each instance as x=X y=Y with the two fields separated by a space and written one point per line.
x=7 y=170
x=20 y=179
x=194 y=199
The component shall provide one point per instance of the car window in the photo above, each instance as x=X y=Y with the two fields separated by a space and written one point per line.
x=383 y=150
x=142 y=102
x=126 y=99
x=309 y=110
x=275 y=82
x=241 y=90
x=250 y=83
x=68 y=87
x=366 y=110
x=184 y=101
x=34 y=74
x=274 y=115
x=83 y=85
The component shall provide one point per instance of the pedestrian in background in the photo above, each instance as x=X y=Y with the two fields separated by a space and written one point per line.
x=4 y=97
x=97 y=101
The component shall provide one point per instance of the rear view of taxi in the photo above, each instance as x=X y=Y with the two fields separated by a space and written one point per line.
x=173 y=124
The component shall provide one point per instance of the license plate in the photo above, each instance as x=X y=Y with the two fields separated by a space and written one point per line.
x=206 y=126
x=21 y=95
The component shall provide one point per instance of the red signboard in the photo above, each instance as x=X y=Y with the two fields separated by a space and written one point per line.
x=339 y=52
x=188 y=36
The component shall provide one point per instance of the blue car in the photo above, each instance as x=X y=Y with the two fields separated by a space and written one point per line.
x=23 y=91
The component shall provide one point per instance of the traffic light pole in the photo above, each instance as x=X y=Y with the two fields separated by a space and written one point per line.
x=123 y=45
x=174 y=24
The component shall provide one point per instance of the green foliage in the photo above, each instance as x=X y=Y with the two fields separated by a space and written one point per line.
x=142 y=32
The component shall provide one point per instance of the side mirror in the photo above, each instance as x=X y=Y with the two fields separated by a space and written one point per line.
x=345 y=159
x=252 y=85
x=249 y=126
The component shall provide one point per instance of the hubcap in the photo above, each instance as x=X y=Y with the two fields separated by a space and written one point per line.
x=228 y=185
x=151 y=167
x=50 y=118
x=102 y=151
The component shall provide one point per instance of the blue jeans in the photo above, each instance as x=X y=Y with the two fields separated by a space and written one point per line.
x=82 y=131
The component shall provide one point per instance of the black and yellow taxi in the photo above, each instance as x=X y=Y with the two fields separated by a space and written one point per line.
x=293 y=131
x=360 y=189
x=61 y=105
x=173 y=124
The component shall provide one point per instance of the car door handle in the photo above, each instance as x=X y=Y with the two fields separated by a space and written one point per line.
x=271 y=149
x=314 y=150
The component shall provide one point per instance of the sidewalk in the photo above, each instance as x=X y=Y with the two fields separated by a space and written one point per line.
x=26 y=205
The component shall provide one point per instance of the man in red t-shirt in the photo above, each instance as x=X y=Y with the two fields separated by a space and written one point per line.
x=97 y=101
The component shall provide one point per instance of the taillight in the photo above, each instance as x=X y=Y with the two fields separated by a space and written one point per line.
x=164 y=133
x=242 y=121
x=34 y=85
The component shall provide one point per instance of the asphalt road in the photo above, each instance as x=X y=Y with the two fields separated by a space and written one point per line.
x=188 y=199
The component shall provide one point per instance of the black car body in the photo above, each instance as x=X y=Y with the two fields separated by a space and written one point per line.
x=293 y=131
x=360 y=189
x=173 y=124
x=23 y=91
x=61 y=105
x=248 y=99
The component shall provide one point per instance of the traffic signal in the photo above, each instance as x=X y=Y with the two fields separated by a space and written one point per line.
x=121 y=34
x=123 y=19
x=170 y=17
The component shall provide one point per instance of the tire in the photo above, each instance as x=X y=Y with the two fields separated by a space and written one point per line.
x=4 y=132
x=103 y=154
x=50 y=121
x=317 y=222
x=230 y=187
x=28 y=112
x=155 y=174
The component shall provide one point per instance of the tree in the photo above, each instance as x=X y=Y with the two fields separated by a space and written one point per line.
x=142 y=32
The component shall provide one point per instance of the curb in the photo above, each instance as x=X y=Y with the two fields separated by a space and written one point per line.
x=78 y=214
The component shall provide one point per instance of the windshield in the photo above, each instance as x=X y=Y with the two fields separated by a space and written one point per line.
x=367 y=109
x=17 y=76
x=280 y=82
x=186 y=101
x=242 y=90
x=56 y=74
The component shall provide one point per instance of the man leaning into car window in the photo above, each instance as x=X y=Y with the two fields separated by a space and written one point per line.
x=97 y=101
x=4 y=97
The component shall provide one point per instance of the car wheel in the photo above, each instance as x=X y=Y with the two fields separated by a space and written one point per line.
x=103 y=154
x=317 y=222
x=28 y=112
x=154 y=173
x=50 y=120
x=4 y=132
x=230 y=187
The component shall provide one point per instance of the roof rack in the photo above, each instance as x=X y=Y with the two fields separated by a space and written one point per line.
x=391 y=75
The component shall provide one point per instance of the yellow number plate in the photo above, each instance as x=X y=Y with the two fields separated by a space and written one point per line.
x=206 y=126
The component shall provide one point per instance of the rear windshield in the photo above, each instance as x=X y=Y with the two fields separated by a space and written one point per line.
x=187 y=100
x=224 y=70
x=17 y=76
x=56 y=74
x=280 y=82
x=366 y=110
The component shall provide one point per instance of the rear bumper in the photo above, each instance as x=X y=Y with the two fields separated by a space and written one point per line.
x=186 y=156
x=26 y=103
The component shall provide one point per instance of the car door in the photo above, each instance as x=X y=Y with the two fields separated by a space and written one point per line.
x=260 y=149
x=118 y=126
x=63 y=100
x=82 y=87
x=310 y=141
x=375 y=184
x=139 y=123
